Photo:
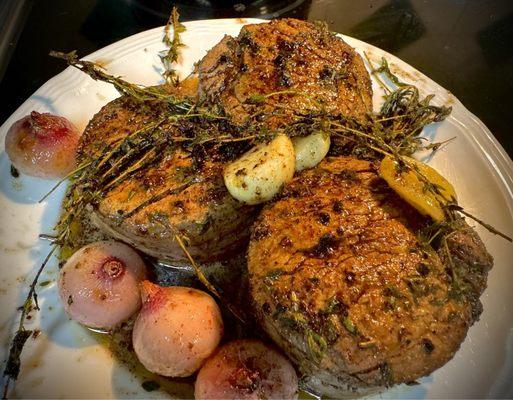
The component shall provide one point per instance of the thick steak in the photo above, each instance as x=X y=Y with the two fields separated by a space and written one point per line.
x=213 y=222
x=286 y=66
x=342 y=284
x=288 y=55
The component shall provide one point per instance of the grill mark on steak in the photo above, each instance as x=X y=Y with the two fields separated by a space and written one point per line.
x=398 y=320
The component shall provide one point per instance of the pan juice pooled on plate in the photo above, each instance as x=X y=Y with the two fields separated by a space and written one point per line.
x=270 y=153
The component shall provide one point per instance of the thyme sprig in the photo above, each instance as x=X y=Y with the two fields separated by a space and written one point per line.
x=204 y=280
x=490 y=228
x=13 y=365
x=385 y=69
x=138 y=92
x=175 y=43
x=395 y=130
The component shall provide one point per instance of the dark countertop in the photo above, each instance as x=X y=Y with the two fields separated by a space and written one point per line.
x=464 y=45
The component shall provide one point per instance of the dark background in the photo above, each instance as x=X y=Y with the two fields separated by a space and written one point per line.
x=464 y=45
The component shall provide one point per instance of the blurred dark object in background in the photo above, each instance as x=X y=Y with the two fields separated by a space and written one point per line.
x=108 y=20
x=13 y=14
x=391 y=27
x=207 y=9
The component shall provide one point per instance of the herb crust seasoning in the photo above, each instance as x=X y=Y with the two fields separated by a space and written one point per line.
x=155 y=156
x=342 y=282
x=358 y=288
x=283 y=68
x=164 y=190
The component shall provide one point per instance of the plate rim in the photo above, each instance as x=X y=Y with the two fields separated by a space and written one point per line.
x=493 y=151
x=490 y=147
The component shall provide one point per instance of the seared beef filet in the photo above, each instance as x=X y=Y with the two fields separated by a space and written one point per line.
x=286 y=66
x=341 y=282
x=339 y=277
x=212 y=221
x=284 y=55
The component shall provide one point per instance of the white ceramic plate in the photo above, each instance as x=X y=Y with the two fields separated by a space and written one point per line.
x=64 y=361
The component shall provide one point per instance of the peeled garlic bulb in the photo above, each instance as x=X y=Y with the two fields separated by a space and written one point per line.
x=311 y=149
x=260 y=173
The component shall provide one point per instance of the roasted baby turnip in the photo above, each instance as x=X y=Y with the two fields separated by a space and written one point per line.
x=176 y=330
x=42 y=145
x=99 y=284
x=246 y=369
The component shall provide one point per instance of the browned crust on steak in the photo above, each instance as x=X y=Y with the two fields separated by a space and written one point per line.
x=123 y=116
x=336 y=262
x=471 y=263
x=213 y=222
x=285 y=55
x=311 y=60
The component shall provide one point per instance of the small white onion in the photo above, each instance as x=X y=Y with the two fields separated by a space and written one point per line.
x=99 y=284
x=176 y=330
x=42 y=145
x=246 y=369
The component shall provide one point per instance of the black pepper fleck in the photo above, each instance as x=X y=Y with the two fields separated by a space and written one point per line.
x=260 y=232
x=150 y=386
x=338 y=206
x=428 y=346
x=285 y=242
x=423 y=269
x=325 y=246
x=14 y=172
x=324 y=218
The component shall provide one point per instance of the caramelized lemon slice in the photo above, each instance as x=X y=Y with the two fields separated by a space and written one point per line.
x=419 y=185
